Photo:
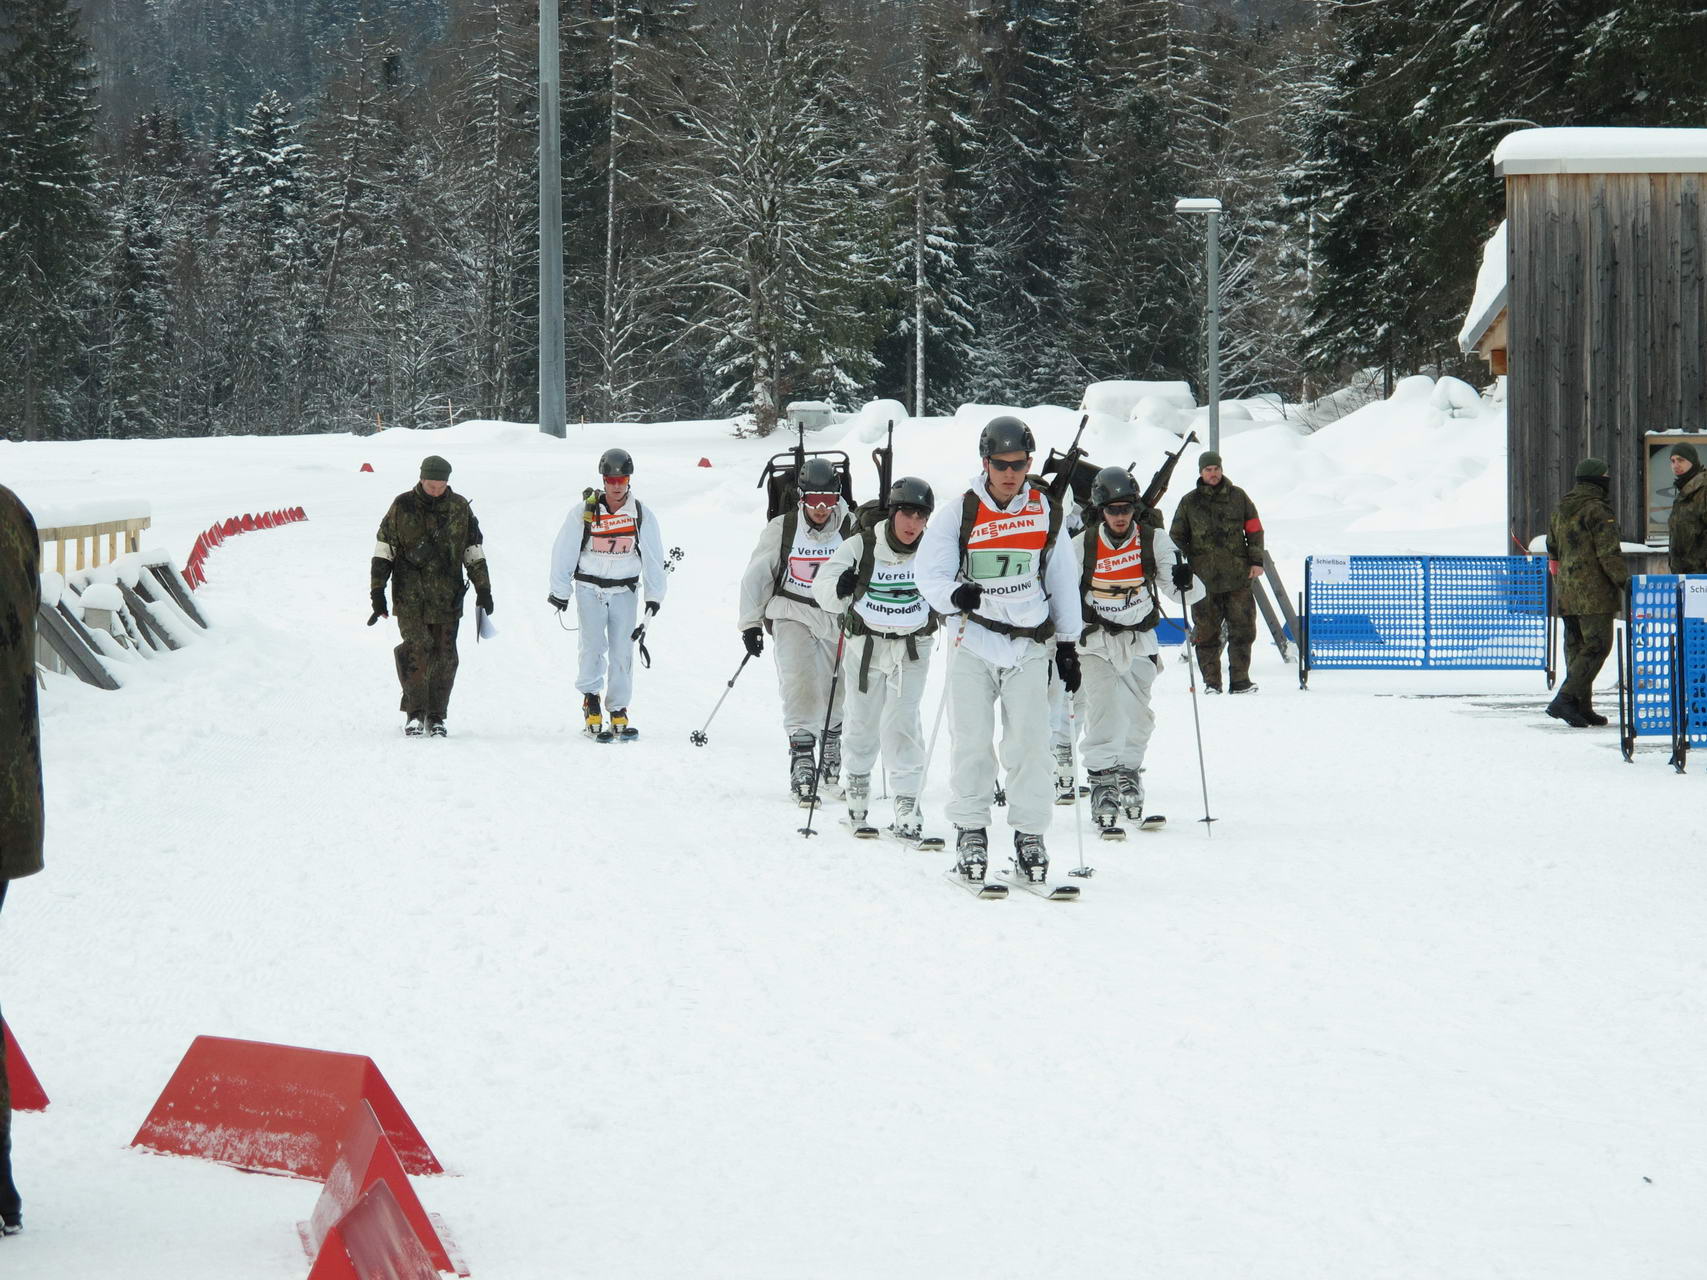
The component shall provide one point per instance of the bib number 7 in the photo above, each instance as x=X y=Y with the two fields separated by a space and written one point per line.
x=985 y=565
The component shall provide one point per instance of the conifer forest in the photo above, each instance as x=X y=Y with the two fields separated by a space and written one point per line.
x=270 y=216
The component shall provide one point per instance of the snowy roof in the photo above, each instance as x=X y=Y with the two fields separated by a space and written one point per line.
x=1490 y=297
x=1602 y=151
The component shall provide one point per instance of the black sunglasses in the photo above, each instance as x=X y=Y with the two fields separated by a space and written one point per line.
x=1018 y=464
x=1118 y=509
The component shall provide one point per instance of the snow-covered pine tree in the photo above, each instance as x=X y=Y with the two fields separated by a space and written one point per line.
x=50 y=221
x=139 y=356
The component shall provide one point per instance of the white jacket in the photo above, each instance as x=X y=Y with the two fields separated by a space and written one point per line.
x=1122 y=647
x=760 y=602
x=939 y=573
x=566 y=553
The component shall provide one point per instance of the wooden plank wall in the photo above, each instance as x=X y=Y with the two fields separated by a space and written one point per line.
x=1608 y=315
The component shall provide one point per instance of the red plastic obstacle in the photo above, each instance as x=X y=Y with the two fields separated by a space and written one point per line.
x=195 y=567
x=705 y=462
x=27 y=1093
x=365 y=1157
x=367 y=466
x=274 y=1106
x=373 y=1242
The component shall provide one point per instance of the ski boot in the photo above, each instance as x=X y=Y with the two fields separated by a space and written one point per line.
x=858 y=793
x=1031 y=862
x=619 y=726
x=1105 y=798
x=593 y=715
x=414 y=727
x=907 y=825
x=830 y=771
x=436 y=727
x=1131 y=795
x=1066 y=785
x=802 y=769
x=972 y=853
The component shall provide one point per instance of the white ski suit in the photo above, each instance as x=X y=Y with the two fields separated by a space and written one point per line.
x=600 y=564
x=884 y=685
x=986 y=669
x=775 y=594
x=1118 y=667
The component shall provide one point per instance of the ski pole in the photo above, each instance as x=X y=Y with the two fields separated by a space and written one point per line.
x=1196 y=724
x=1073 y=760
x=941 y=706
x=829 y=710
x=697 y=737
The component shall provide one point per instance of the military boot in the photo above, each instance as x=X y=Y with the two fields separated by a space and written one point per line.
x=1563 y=707
x=414 y=727
x=436 y=727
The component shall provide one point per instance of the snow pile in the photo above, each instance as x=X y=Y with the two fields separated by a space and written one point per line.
x=1490 y=296
x=69 y=512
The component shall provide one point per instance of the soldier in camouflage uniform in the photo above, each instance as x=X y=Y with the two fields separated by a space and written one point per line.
x=1688 y=522
x=1582 y=541
x=20 y=761
x=426 y=540
x=1217 y=527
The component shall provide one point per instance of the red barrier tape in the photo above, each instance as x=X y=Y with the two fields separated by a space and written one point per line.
x=195 y=571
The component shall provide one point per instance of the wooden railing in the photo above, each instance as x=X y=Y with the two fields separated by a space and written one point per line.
x=91 y=534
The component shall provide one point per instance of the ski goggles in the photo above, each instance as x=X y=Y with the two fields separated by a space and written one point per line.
x=820 y=499
x=1017 y=464
x=1119 y=509
x=616 y=482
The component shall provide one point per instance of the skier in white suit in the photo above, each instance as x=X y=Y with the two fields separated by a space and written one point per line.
x=609 y=548
x=776 y=596
x=993 y=557
x=869 y=582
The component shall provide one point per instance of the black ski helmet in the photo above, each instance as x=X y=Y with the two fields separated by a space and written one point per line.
x=910 y=491
x=818 y=475
x=1113 y=484
x=1006 y=434
x=616 y=462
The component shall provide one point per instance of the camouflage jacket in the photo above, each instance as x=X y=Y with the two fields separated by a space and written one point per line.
x=1220 y=533
x=1583 y=538
x=424 y=545
x=20 y=724
x=1688 y=525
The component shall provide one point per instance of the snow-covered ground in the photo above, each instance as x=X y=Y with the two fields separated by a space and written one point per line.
x=1429 y=1003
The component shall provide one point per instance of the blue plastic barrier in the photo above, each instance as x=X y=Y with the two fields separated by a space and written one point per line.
x=1662 y=677
x=1427 y=613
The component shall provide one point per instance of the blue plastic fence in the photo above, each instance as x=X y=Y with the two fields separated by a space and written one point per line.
x=1663 y=680
x=1426 y=612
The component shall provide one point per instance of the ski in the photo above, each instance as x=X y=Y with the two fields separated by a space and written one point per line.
x=919 y=844
x=1066 y=797
x=861 y=830
x=1112 y=833
x=1051 y=892
x=1153 y=822
x=978 y=889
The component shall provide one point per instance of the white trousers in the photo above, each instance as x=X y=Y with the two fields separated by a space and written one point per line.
x=1113 y=705
x=805 y=662
x=886 y=716
x=1060 y=719
x=607 y=621
x=975 y=689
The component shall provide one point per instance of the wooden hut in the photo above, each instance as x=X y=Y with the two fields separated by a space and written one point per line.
x=1606 y=301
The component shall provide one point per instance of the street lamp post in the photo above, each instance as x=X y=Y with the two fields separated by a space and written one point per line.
x=551 y=378
x=1212 y=305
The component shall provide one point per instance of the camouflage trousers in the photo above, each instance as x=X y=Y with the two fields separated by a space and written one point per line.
x=426 y=665
x=1238 y=609
x=1588 y=639
x=9 y=1203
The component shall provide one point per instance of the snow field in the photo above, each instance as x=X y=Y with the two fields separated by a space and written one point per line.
x=1427 y=1003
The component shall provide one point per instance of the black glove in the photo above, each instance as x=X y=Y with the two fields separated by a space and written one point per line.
x=651 y=607
x=557 y=602
x=1182 y=577
x=1067 y=665
x=379 y=610
x=966 y=596
x=483 y=599
x=754 y=639
x=845 y=583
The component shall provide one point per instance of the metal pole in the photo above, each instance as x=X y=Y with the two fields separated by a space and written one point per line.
x=1213 y=253
x=551 y=378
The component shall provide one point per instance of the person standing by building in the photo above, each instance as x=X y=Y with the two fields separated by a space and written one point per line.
x=426 y=541
x=1217 y=527
x=1124 y=559
x=20 y=762
x=609 y=548
x=776 y=596
x=869 y=581
x=1687 y=524
x=992 y=560
x=1583 y=543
